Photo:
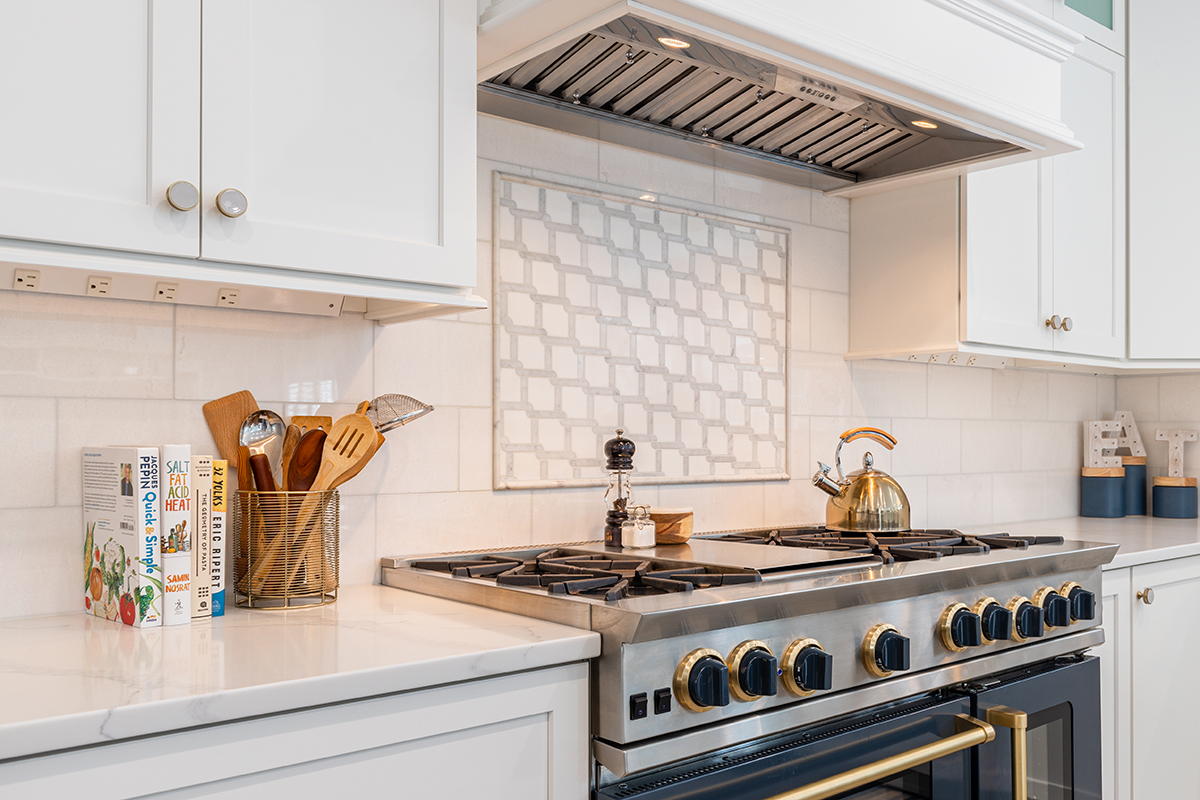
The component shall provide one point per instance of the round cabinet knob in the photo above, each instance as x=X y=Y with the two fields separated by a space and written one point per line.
x=996 y=620
x=807 y=668
x=884 y=651
x=1083 y=602
x=753 y=671
x=1067 y=324
x=1054 y=322
x=1028 y=619
x=960 y=628
x=183 y=196
x=702 y=680
x=1056 y=607
x=1146 y=596
x=231 y=203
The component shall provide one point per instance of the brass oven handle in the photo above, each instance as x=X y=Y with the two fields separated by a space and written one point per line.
x=1017 y=722
x=971 y=732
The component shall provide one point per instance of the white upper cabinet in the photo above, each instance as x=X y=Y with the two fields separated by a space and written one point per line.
x=330 y=120
x=1164 y=282
x=980 y=264
x=99 y=114
x=343 y=133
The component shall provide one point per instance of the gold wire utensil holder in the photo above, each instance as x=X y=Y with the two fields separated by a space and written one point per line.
x=285 y=549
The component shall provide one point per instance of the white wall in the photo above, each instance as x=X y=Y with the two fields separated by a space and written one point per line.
x=1166 y=402
x=976 y=446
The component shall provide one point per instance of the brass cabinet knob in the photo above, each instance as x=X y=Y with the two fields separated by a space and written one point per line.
x=183 y=196
x=1060 y=323
x=231 y=203
x=1146 y=596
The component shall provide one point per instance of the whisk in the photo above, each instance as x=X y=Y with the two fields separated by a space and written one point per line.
x=390 y=411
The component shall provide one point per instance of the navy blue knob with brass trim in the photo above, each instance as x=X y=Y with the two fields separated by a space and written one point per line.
x=1056 y=607
x=702 y=680
x=884 y=651
x=807 y=668
x=753 y=671
x=1083 y=602
x=960 y=628
x=996 y=620
x=1028 y=619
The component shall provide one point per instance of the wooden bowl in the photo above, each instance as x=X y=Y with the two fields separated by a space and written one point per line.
x=671 y=525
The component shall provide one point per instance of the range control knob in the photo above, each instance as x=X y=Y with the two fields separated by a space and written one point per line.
x=960 y=628
x=884 y=651
x=997 y=620
x=1083 y=602
x=753 y=671
x=702 y=680
x=807 y=668
x=1057 y=607
x=1028 y=620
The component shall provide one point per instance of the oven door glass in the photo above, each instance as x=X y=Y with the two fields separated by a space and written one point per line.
x=1061 y=702
x=784 y=763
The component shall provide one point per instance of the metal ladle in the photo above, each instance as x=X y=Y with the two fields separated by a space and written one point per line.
x=263 y=432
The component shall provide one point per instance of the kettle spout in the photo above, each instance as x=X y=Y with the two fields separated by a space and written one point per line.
x=826 y=484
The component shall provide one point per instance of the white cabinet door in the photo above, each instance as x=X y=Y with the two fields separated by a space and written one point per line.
x=1115 y=656
x=522 y=735
x=1087 y=206
x=99 y=114
x=350 y=129
x=1165 y=703
x=1164 y=282
x=1006 y=282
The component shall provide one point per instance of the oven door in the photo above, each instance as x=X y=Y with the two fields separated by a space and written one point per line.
x=1059 y=703
x=920 y=748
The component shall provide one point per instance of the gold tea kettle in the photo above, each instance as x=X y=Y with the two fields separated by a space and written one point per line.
x=867 y=499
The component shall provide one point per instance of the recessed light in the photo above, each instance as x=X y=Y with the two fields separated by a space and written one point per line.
x=921 y=123
x=678 y=44
x=649 y=198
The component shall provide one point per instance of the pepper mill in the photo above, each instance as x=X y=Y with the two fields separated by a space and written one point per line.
x=619 y=452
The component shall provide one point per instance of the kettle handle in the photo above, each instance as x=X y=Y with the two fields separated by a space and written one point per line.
x=881 y=436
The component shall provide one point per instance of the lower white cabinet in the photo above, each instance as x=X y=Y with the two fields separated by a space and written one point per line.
x=1148 y=680
x=518 y=736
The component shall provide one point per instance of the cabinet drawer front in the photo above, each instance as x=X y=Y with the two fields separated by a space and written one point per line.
x=101 y=103
x=350 y=129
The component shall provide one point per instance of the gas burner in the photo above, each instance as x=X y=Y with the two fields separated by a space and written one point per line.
x=911 y=545
x=596 y=576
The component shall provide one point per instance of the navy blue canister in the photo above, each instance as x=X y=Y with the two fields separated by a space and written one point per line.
x=1102 y=492
x=1135 y=485
x=1175 y=498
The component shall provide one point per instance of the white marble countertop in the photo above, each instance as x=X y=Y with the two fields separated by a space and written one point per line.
x=1142 y=539
x=73 y=679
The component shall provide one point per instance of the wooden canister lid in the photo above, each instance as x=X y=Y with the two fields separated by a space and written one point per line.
x=1168 y=481
x=1131 y=461
x=1104 y=472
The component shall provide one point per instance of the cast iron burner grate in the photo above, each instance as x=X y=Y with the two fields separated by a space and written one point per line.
x=909 y=545
x=598 y=576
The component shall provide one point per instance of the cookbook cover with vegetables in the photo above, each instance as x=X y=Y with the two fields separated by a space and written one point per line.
x=123 y=577
x=178 y=527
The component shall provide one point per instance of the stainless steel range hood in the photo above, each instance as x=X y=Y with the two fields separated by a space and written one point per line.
x=667 y=84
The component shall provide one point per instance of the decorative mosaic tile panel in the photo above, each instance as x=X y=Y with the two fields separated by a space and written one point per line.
x=615 y=313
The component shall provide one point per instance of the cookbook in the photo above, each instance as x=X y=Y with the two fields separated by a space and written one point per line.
x=178 y=529
x=202 y=486
x=123 y=577
x=219 y=507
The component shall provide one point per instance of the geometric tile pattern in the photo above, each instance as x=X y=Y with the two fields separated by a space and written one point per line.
x=612 y=312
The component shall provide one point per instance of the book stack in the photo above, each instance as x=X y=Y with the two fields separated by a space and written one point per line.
x=154 y=534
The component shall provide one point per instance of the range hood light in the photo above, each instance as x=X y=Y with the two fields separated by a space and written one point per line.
x=678 y=44
x=921 y=123
x=649 y=198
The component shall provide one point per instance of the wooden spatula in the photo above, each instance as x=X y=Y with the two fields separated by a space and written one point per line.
x=224 y=416
x=291 y=438
x=310 y=423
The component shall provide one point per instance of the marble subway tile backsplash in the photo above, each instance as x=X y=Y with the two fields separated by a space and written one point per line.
x=975 y=445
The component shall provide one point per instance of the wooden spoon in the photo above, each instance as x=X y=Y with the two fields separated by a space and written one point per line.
x=306 y=461
x=311 y=423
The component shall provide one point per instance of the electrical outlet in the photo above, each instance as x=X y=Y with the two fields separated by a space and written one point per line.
x=26 y=279
x=228 y=297
x=99 y=286
x=166 y=292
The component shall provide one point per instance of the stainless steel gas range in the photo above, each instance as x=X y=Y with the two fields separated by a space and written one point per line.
x=800 y=662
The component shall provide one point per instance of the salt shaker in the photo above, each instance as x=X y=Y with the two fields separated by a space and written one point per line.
x=620 y=463
x=637 y=532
